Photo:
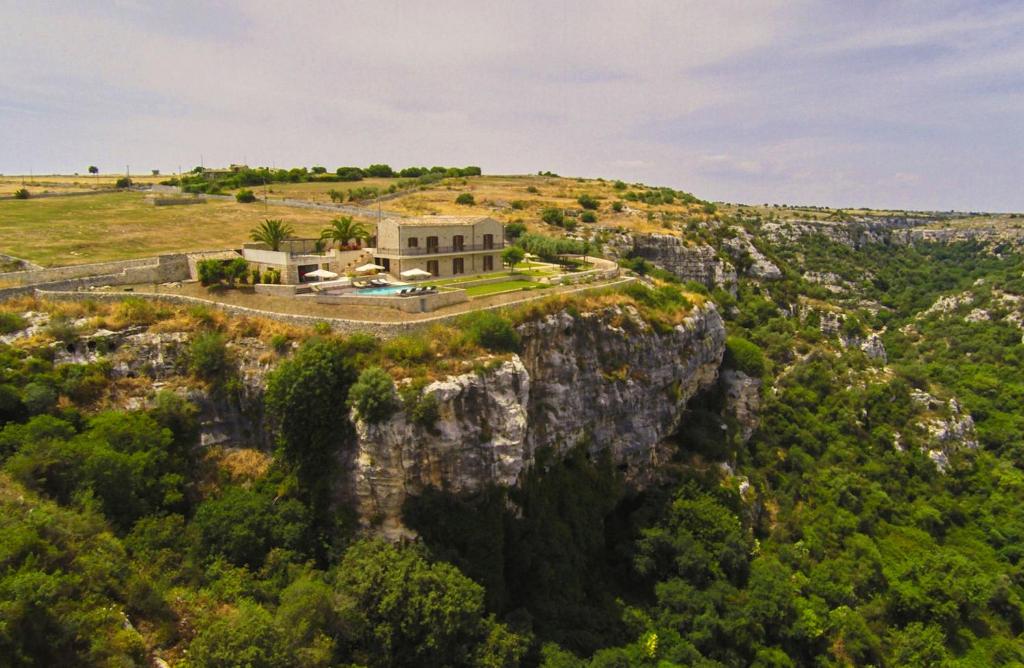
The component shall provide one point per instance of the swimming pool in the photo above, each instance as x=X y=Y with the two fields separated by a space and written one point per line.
x=383 y=290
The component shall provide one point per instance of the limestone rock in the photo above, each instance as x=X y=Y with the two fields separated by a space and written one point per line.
x=604 y=380
x=742 y=400
x=742 y=249
x=690 y=263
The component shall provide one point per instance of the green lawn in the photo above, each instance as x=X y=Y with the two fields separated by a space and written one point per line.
x=504 y=286
x=117 y=226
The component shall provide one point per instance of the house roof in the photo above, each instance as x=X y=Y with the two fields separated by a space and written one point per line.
x=431 y=221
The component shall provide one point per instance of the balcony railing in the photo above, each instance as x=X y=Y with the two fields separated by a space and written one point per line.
x=440 y=250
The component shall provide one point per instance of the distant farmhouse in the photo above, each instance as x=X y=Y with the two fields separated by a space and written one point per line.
x=441 y=245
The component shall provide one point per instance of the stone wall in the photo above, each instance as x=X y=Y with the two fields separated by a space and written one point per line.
x=410 y=304
x=162 y=269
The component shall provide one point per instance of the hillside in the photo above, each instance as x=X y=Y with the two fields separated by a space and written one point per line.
x=794 y=439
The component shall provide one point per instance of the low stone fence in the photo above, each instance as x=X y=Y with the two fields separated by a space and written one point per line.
x=423 y=303
x=161 y=269
x=603 y=270
x=341 y=325
x=83 y=193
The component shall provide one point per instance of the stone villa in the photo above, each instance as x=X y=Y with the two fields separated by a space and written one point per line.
x=442 y=245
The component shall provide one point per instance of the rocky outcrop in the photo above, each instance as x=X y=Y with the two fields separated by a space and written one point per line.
x=742 y=400
x=745 y=254
x=605 y=380
x=874 y=348
x=690 y=263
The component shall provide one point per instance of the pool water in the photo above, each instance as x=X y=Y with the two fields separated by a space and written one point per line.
x=383 y=290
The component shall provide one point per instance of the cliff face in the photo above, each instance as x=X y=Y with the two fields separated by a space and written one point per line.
x=605 y=380
x=690 y=263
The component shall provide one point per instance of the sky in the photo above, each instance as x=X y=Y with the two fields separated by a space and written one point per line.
x=890 y=104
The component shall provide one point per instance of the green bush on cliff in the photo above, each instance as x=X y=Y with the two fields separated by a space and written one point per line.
x=373 y=395
x=745 y=356
x=490 y=330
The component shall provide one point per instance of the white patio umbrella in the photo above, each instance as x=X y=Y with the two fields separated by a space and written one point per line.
x=321 y=274
x=369 y=267
x=415 y=273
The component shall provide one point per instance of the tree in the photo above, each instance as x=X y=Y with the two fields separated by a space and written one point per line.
x=319 y=170
x=350 y=174
x=373 y=395
x=247 y=636
x=123 y=182
x=515 y=230
x=380 y=171
x=512 y=256
x=465 y=199
x=344 y=229
x=93 y=169
x=271 y=232
x=407 y=611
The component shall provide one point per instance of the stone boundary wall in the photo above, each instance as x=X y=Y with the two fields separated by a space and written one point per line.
x=341 y=325
x=65 y=272
x=408 y=303
x=177 y=201
x=364 y=211
x=29 y=266
x=166 y=268
x=32 y=196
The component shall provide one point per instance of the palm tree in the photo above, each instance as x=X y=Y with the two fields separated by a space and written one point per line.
x=272 y=233
x=344 y=228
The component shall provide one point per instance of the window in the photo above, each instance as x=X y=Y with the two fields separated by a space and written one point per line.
x=431 y=244
x=488 y=262
x=458 y=242
x=488 y=241
x=432 y=267
x=414 y=242
x=458 y=266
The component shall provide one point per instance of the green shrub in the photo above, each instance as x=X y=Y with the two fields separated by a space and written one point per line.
x=208 y=357
x=39 y=398
x=553 y=216
x=135 y=311
x=588 y=217
x=210 y=271
x=466 y=199
x=11 y=322
x=745 y=356
x=407 y=349
x=588 y=202
x=245 y=196
x=61 y=329
x=532 y=190
x=618 y=206
x=619 y=185
x=373 y=395
x=490 y=330
x=123 y=182
x=280 y=343
x=21 y=193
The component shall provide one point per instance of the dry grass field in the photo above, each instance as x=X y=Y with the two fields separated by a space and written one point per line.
x=123 y=225
x=64 y=183
x=108 y=226
x=315 y=191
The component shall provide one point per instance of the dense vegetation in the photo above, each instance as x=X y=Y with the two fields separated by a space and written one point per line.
x=832 y=538
x=201 y=180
